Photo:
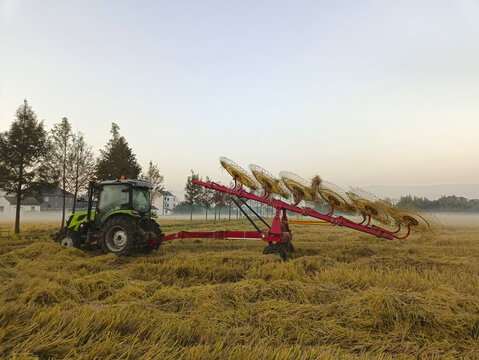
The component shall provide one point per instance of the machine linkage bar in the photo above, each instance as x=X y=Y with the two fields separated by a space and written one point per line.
x=221 y=235
x=278 y=204
x=245 y=214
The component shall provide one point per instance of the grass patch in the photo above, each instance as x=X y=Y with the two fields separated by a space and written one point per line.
x=342 y=295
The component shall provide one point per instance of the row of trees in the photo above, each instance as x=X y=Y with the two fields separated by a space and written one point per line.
x=445 y=203
x=33 y=159
x=197 y=195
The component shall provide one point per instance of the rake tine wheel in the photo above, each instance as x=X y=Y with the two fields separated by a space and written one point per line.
x=367 y=204
x=268 y=182
x=238 y=173
x=300 y=188
x=336 y=198
x=417 y=220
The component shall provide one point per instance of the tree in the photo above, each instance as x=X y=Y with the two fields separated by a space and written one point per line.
x=153 y=176
x=24 y=157
x=62 y=148
x=206 y=198
x=192 y=192
x=81 y=167
x=219 y=199
x=229 y=202
x=117 y=159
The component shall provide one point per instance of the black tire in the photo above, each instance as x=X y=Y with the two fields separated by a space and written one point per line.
x=290 y=247
x=68 y=238
x=119 y=235
x=151 y=226
x=276 y=249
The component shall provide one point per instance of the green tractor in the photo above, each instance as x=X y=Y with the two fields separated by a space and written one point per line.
x=121 y=223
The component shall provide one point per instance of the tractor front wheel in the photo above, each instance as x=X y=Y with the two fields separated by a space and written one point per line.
x=118 y=235
x=68 y=238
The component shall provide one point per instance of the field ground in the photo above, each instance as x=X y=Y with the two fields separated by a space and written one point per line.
x=342 y=295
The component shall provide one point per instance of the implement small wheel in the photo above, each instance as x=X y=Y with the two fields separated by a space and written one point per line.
x=290 y=247
x=68 y=238
x=276 y=249
x=118 y=235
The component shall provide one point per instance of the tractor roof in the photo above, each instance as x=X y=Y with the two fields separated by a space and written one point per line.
x=135 y=183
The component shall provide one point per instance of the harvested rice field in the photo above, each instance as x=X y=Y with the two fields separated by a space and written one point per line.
x=341 y=295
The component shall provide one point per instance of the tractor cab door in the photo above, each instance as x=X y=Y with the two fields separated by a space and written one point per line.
x=112 y=197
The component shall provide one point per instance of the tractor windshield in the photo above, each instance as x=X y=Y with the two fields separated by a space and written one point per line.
x=141 y=200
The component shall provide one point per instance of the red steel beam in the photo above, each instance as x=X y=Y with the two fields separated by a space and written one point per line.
x=278 y=204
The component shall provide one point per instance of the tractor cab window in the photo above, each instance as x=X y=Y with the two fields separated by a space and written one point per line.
x=113 y=197
x=141 y=200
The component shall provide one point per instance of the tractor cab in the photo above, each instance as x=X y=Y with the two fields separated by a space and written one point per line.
x=122 y=196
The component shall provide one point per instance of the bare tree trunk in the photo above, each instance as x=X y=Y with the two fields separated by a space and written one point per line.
x=206 y=213
x=229 y=213
x=19 y=199
x=191 y=212
x=76 y=189
x=64 y=202
x=215 y=214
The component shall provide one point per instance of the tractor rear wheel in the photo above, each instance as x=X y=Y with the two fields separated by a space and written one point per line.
x=118 y=235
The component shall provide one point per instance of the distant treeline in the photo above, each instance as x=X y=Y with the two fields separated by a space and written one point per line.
x=445 y=203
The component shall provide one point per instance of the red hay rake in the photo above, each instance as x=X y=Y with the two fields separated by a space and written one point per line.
x=278 y=236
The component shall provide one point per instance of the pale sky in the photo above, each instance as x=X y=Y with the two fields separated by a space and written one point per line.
x=359 y=92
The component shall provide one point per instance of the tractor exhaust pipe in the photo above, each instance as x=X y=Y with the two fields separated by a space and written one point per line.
x=91 y=187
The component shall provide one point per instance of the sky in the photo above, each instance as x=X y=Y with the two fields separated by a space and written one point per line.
x=360 y=92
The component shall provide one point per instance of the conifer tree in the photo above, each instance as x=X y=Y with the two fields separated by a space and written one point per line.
x=25 y=153
x=117 y=158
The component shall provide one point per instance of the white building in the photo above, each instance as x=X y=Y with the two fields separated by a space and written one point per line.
x=165 y=203
x=8 y=205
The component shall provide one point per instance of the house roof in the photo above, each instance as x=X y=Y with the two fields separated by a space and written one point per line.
x=167 y=193
x=56 y=192
x=27 y=201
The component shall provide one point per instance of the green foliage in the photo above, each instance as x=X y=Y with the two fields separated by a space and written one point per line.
x=25 y=157
x=445 y=203
x=193 y=192
x=153 y=176
x=185 y=208
x=117 y=159
x=206 y=198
